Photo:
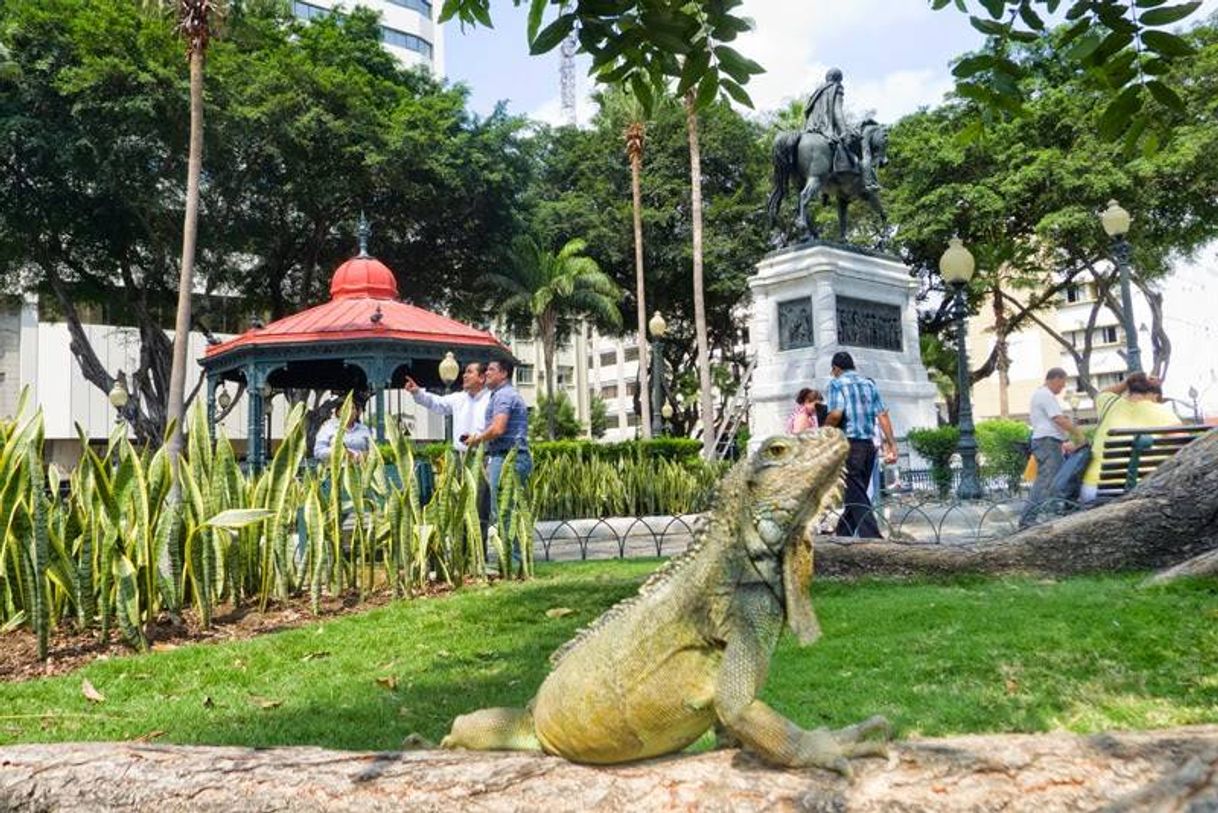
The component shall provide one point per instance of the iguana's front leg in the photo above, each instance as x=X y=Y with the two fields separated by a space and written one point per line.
x=763 y=730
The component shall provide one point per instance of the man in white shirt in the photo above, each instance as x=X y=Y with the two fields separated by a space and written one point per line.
x=1051 y=429
x=468 y=407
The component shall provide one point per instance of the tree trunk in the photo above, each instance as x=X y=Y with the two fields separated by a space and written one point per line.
x=549 y=341
x=634 y=147
x=181 y=330
x=1168 y=770
x=1171 y=517
x=704 y=373
x=1002 y=361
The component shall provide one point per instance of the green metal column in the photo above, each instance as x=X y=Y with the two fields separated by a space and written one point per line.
x=380 y=415
x=211 y=408
x=255 y=453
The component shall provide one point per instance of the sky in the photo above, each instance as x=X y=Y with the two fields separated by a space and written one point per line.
x=894 y=55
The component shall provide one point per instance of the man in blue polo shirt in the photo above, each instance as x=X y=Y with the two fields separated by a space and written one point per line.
x=507 y=428
x=855 y=406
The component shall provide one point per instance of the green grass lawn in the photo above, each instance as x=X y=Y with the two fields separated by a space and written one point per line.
x=941 y=658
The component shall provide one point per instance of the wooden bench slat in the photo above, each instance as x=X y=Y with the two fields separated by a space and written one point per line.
x=1187 y=428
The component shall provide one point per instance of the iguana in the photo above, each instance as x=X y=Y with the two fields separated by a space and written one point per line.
x=692 y=649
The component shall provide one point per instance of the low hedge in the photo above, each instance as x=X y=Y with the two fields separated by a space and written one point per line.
x=676 y=450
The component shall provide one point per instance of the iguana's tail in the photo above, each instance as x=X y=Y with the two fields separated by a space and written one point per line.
x=500 y=729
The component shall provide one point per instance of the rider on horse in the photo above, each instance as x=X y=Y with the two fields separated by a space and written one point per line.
x=824 y=116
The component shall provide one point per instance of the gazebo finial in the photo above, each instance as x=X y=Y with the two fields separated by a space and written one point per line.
x=363 y=231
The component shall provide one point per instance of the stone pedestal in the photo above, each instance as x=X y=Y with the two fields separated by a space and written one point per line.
x=813 y=300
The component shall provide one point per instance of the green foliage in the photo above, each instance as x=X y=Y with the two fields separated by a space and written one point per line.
x=1003 y=447
x=1008 y=655
x=305 y=122
x=1024 y=194
x=1121 y=46
x=566 y=425
x=582 y=189
x=115 y=552
x=937 y=446
x=666 y=448
x=598 y=417
x=642 y=45
x=573 y=487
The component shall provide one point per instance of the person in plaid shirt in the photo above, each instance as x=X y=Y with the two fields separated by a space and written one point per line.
x=856 y=406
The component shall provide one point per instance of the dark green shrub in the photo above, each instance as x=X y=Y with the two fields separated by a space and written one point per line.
x=1003 y=445
x=937 y=446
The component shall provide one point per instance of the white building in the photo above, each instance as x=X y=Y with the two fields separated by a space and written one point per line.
x=410 y=29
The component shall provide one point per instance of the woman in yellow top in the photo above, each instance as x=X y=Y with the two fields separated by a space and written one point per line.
x=1131 y=404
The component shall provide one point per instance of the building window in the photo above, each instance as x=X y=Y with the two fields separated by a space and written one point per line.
x=524 y=374
x=421 y=6
x=632 y=354
x=632 y=388
x=1109 y=334
x=608 y=358
x=400 y=39
x=632 y=419
x=566 y=375
x=609 y=391
x=307 y=11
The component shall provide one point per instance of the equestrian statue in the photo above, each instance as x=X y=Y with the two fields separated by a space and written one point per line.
x=829 y=157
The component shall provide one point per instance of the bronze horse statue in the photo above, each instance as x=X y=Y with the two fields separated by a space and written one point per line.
x=808 y=157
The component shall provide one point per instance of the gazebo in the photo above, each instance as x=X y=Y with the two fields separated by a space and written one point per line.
x=364 y=339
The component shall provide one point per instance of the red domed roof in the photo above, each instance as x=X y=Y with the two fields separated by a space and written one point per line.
x=363 y=276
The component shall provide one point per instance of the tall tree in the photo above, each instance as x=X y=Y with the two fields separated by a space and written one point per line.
x=636 y=134
x=553 y=290
x=196 y=21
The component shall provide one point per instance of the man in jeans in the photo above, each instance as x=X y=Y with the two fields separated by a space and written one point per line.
x=855 y=406
x=1050 y=431
x=507 y=428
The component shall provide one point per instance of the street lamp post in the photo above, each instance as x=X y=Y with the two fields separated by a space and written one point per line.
x=1115 y=221
x=956 y=265
x=666 y=412
x=119 y=396
x=449 y=369
x=658 y=328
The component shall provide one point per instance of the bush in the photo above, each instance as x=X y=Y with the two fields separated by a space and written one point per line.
x=937 y=446
x=671 y=449
x=1003 y=445
x=568 y=487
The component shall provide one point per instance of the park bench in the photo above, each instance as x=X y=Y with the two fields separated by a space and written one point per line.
x=1130 y=455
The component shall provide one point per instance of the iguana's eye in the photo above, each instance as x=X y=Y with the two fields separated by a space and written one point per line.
x=776 y=450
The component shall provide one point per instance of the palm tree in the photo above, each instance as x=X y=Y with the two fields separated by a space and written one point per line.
x=553 y=290
x=695 y=182
x=195 y=22
x=636 y=133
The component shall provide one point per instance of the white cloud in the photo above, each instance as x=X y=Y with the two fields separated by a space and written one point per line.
x=798 y=42
x=898 y=93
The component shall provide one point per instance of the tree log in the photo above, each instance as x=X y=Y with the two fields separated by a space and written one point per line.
x=1166 y=770
x=1171 y=517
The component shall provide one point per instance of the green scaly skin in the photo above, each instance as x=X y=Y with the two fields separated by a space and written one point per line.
x=692 y=649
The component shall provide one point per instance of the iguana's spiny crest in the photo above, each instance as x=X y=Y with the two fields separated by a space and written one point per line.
x=788 y=483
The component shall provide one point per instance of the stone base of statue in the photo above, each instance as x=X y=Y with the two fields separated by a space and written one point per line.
x=814 y=299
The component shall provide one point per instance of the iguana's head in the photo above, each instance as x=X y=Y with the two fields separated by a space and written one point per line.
x=792 y=480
